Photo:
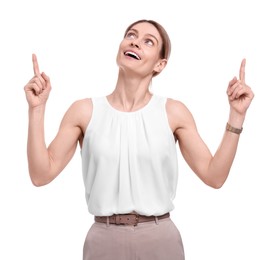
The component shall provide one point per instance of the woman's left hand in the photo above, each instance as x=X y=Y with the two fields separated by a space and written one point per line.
x=239 y=94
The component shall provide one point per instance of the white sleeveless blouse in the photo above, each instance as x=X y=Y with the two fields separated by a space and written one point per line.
x=129 y=160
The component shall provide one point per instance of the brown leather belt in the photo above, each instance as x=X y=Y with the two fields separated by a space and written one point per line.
x=128 y=219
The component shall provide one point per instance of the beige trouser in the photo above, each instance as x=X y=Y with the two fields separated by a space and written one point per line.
x=155 y=240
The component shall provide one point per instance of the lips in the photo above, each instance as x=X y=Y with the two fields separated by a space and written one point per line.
x=132 y=55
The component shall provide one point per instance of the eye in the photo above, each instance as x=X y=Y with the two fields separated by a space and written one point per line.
x=149 y=42
x=130 y=35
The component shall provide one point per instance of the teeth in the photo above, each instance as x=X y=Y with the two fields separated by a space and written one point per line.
x=132 y=54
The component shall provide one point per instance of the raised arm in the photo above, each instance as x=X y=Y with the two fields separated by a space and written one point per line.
x=45 y=163
x=212 y=169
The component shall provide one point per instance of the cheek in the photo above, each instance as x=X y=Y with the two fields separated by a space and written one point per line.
x=119 y=53
x=153 y=59
x=154 y=54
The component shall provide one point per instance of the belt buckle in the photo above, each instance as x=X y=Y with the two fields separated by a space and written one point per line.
x=130 y=220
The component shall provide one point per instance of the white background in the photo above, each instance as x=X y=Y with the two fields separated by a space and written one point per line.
x=76 y=43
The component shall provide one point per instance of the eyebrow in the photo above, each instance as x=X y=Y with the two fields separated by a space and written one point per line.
x=148 y=34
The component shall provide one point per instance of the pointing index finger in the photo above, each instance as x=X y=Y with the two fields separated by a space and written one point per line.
x=242 y=71
x=35 y=65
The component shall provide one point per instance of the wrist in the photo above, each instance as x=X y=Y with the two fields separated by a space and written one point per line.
x=236 y=120
x=37 y=109
x=232 y=129
x=36 y=114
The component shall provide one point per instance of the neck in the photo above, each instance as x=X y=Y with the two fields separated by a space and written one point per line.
x=130 y=94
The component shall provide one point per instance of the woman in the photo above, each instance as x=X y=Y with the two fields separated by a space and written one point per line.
x=128 y=149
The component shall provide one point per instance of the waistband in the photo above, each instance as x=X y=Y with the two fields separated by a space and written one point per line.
x=128 y=219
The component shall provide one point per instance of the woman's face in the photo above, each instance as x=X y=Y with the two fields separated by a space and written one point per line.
x=139 y=51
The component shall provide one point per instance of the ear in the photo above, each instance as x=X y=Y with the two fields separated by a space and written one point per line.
x=160 y=65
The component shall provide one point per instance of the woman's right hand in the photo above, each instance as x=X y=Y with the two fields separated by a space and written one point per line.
x=37 y=90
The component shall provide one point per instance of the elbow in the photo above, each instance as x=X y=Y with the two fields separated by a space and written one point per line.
x=215 y=184
x=215 y=180
x=39 y=181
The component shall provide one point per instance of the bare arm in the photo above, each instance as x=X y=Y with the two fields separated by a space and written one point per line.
x=211 y=169
x=45 y=163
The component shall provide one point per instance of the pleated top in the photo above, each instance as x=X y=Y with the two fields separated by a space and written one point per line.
x=129 y=160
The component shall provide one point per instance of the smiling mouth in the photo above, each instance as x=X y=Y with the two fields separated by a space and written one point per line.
x=132 y=55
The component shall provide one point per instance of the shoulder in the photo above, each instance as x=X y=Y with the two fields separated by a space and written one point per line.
x=178 y=114
x=177 y=108
x=80 y=106
x=79 y=112
x=81 y=103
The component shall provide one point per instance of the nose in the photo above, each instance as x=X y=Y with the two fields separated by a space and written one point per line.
x=135 y=44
